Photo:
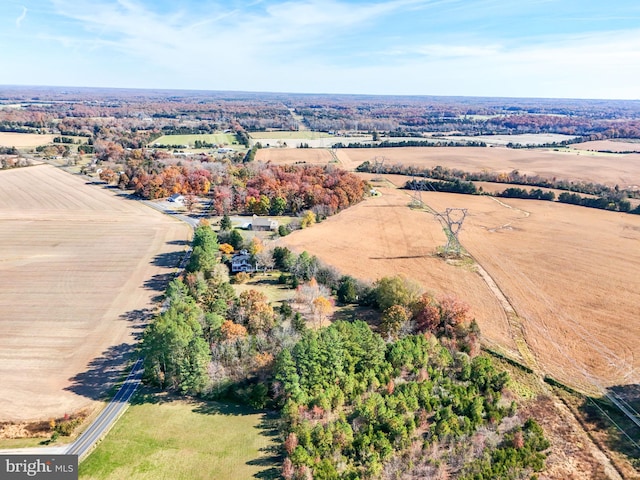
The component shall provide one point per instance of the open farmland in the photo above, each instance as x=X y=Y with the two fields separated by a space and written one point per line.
x=297 y=135
x=383 y=236
x=78 y=265
x=523 y=139
x=24 y=140
x=288 y=156
x=623 y=170
x=617 y=145
x=312 y=139
x=569 y=272
x=190 y=140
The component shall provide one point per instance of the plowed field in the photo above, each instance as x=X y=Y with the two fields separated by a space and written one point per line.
x=78 y=265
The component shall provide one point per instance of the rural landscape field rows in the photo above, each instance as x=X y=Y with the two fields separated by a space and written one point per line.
x=79 y=267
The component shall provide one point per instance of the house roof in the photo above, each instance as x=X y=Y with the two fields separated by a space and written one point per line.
x=263 y=221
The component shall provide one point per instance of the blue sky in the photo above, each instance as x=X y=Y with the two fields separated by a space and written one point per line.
x=526 y=48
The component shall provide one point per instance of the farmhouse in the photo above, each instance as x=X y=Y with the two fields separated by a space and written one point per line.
x=241 y=262
x=263 y=223
x=176 y=198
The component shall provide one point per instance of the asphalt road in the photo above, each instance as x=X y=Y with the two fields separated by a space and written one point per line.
x=109 y=415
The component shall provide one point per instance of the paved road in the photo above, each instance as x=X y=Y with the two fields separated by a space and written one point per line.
x=109 y=415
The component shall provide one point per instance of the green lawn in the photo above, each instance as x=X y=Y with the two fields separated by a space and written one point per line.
x=6 y=443
x=217 y=138
x=190 y=440
x=267 y=283
x=305 y=134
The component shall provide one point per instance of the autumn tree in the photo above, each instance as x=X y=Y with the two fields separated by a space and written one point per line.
x=393 y=319
x=426 y=314
x=321 y=308
x=308 y=219
x=256 y=246
x=232 y=331
x=225 y=248
x=253 y=310
x=397 y=290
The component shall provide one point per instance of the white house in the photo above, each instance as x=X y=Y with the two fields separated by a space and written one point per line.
x=176 y=198
x=241 y=262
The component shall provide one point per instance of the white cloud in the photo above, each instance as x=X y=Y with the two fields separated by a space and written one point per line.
x=21 y=18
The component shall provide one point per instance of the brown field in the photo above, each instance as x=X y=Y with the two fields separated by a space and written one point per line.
x=78 y=265
x=288 y=156
x=608 y=146
x=623 y=170
x=610 y=169
x=569 y=272
x=22 y=140
x=382 y=236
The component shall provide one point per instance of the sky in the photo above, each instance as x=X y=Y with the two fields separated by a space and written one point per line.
x=498 y=48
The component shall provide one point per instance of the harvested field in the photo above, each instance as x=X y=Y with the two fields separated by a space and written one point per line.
x=190 y=139
x=569 y=272
x=523 y=139
x=382 y=237
x=286 y=135
x=288 y=156
x=22 y=140
x=79 y=268
x=609 y=146
x=623 y=170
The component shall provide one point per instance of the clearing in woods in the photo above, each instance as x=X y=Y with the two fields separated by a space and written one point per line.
x=79 y=267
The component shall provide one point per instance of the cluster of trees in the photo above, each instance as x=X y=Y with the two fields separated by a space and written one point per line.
x=604 y=203
x=65 y=140
x=263 y=189
x=277 y=189
x=352 y=402
x=14 y=162
x=454 y=186
x=208 y=341
x=54 y=150
x=534 y=193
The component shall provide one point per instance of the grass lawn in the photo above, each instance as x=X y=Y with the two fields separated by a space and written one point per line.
x=267 y=283
x=6 y=443
x=288 y=135
x=164 y=438
x=217 y=138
